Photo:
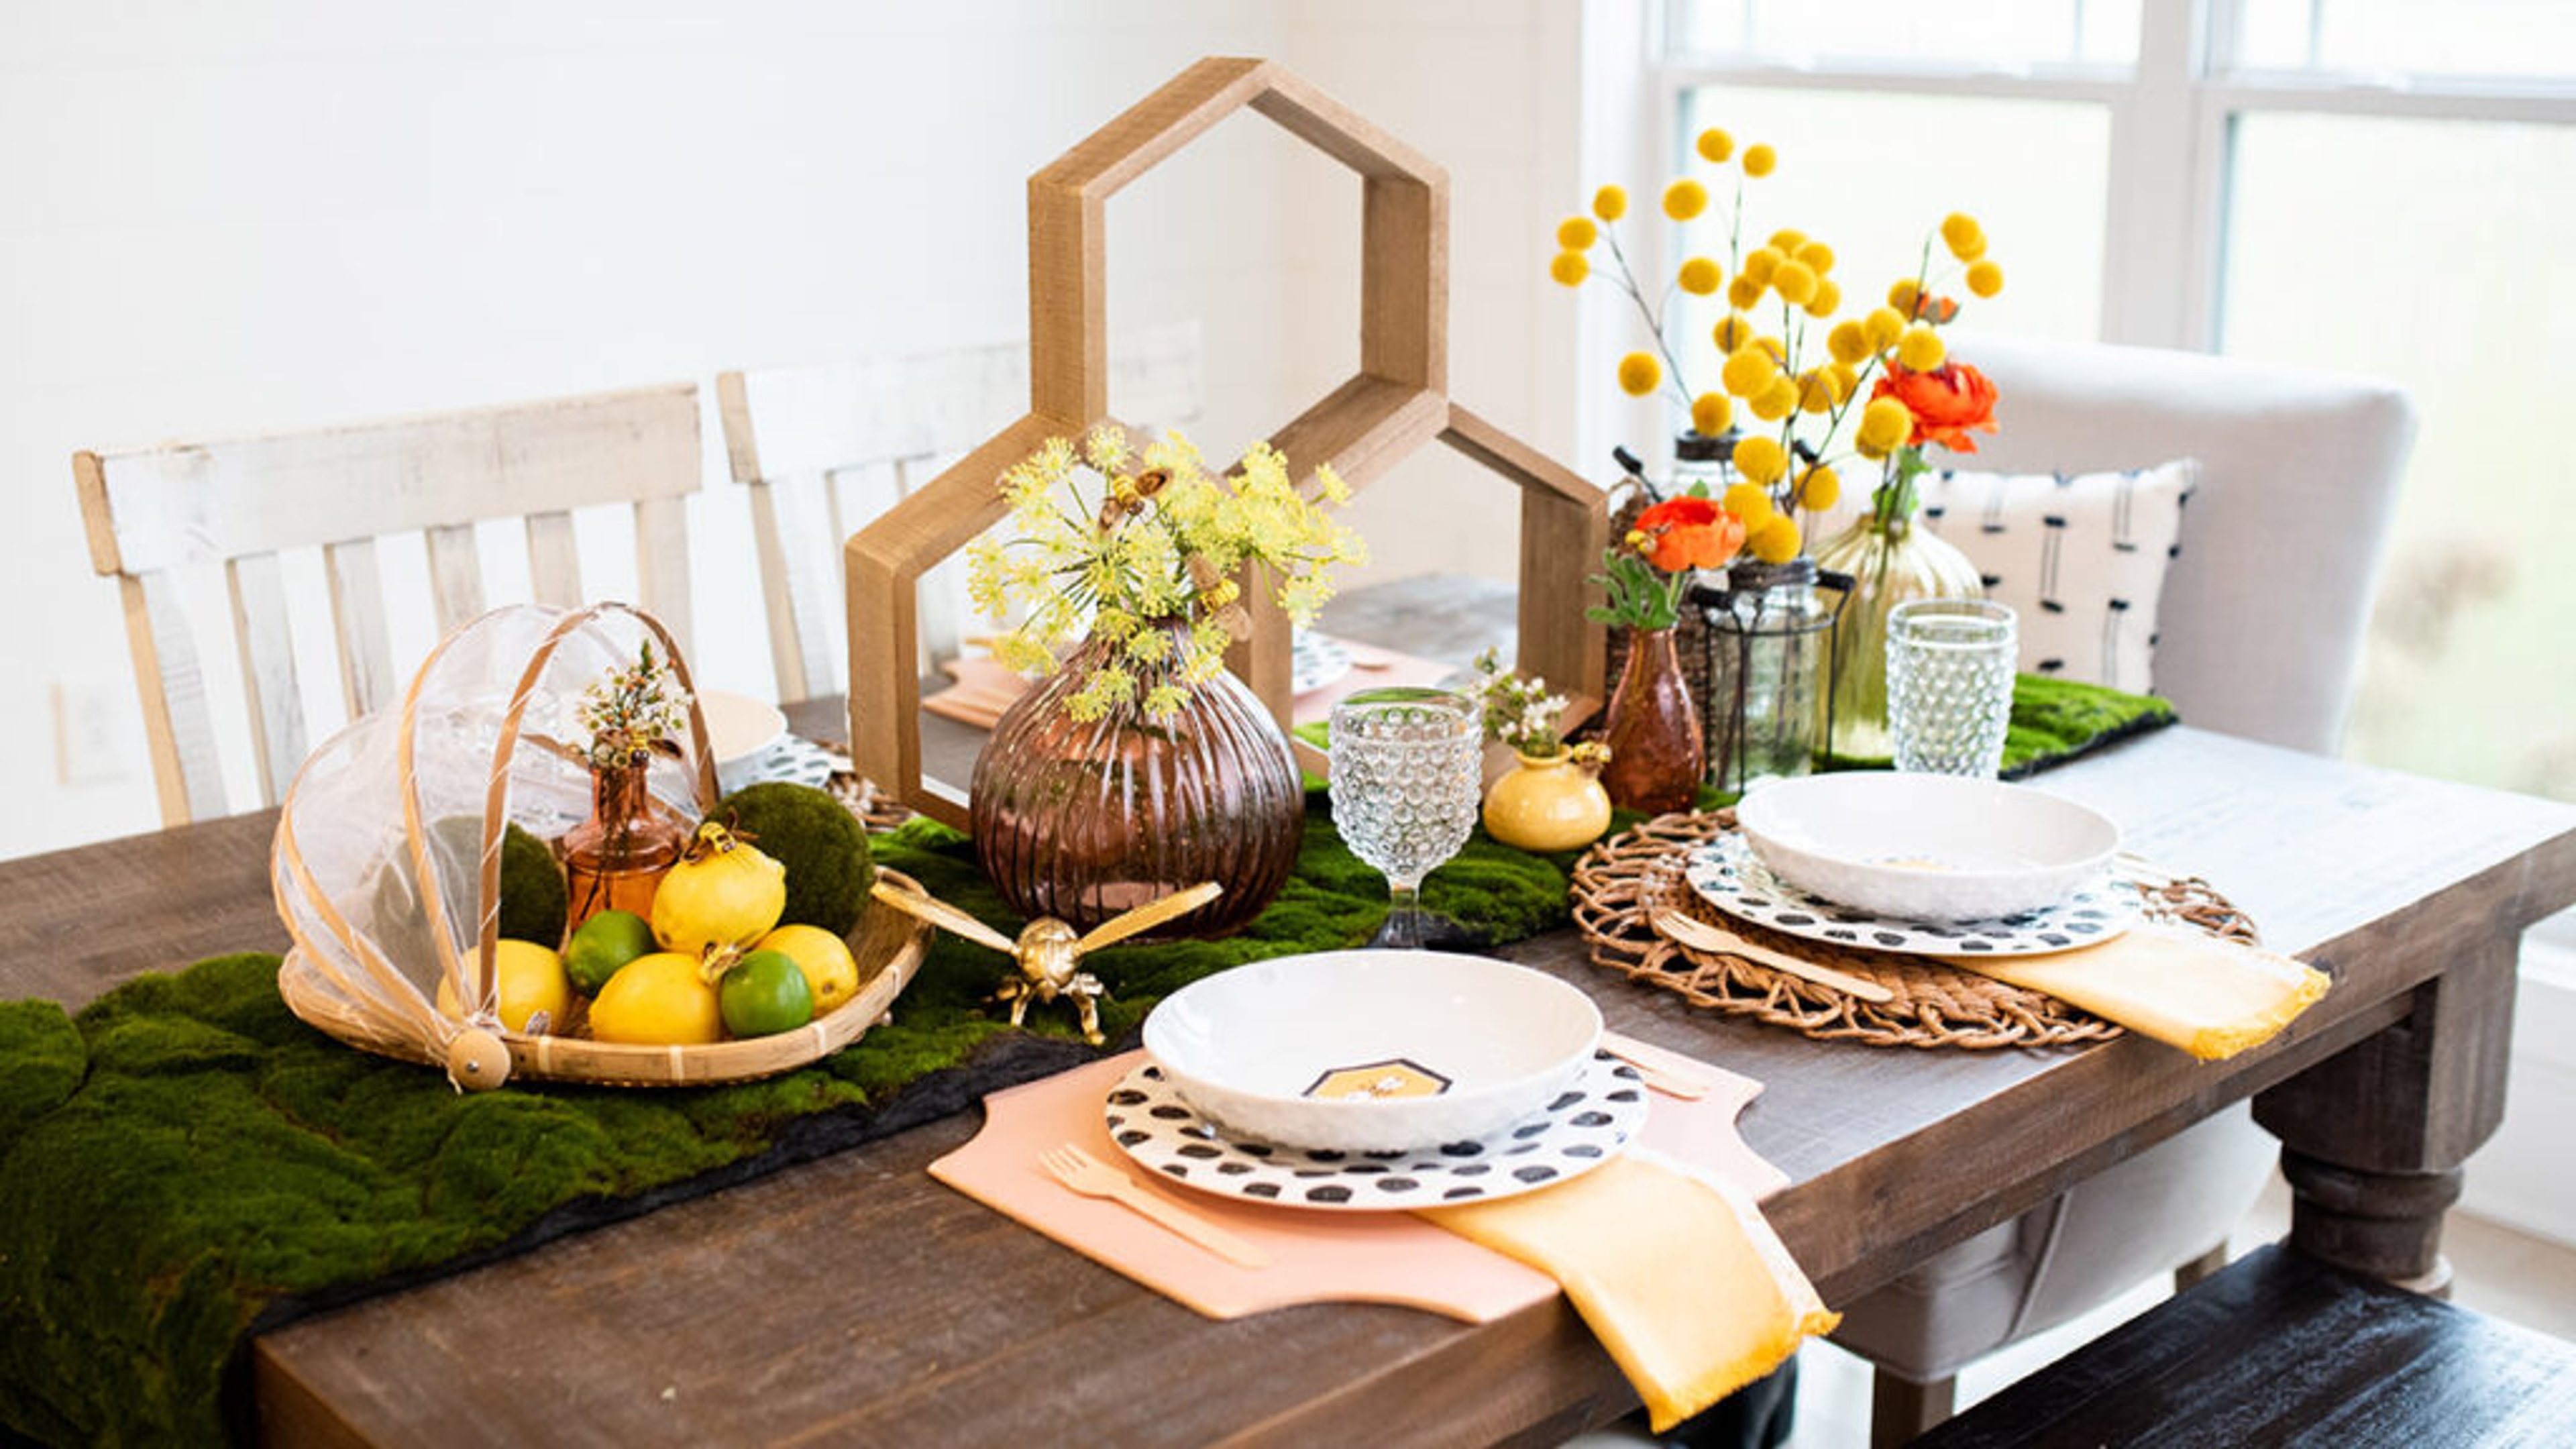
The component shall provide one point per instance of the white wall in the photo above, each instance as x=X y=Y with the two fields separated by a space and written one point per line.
x=246 y=218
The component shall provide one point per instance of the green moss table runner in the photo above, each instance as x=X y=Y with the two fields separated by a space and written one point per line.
x=183 y=1164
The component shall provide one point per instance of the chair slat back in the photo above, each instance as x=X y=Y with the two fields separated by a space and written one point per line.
x=154 y=512
x=823 y=449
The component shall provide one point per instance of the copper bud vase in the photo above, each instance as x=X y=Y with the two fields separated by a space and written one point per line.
x=1654 y=733
x=1083 y=820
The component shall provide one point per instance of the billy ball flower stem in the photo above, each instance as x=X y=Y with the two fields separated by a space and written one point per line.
x=1627 y=281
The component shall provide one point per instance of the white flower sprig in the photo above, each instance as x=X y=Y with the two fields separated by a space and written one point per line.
x=632 y=709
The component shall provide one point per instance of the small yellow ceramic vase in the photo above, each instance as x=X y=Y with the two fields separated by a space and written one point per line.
x=1549 y=802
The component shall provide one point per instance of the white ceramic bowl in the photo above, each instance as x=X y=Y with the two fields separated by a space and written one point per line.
x=1246 y=1046
x=1926 y=847
x=740 y=730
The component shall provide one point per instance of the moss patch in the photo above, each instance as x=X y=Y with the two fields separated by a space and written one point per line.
x=184 y=1162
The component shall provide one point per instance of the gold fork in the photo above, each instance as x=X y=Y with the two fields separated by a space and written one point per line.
x=1091 y=1177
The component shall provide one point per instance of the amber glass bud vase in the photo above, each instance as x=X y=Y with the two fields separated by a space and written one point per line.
x=614 y=860
x=1654 y=734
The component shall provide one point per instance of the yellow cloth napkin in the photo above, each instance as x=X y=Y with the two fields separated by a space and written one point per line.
x=2212 y=998
x=1677 y=1273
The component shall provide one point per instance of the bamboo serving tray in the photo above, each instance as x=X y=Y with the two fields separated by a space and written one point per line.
x=888 y=944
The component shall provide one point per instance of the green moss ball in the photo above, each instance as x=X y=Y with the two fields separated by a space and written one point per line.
x=534 y=898
x=822 y=845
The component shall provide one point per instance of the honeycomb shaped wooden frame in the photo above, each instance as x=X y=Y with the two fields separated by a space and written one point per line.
x=1396 y=403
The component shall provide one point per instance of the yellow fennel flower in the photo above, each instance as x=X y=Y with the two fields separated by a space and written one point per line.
x=1985 y=279
x=1819 y=488
x=1794 y=282
x=1715 y=145
x=1711 y=412
x=1818 y=256
x=1778 y=400
x=1759 y=159
x=1920 y=349
x=1685 y=199
x=1960 y=232
x=1744 y=293
x=1748 y=371
x=1884 y=426
x=1760 y=460
x=1848 y=342
x=1639 y=373
x=1881 y=328
x=1828 y=298
x=1761 y=262
x=1577 y=233
x=1816 y=391
x=1776 y=541
x=1700 y=276
x=1749 y=502
x=1732 y=333
x=1570 y=268
x=1610 y=203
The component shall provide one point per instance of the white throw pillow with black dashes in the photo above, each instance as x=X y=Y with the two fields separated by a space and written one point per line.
x=2079 y=557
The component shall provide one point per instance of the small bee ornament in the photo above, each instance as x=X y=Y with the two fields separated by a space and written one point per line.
x=1049 y=953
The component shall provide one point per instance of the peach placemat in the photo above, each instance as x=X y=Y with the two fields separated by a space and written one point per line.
x=1315 y=1257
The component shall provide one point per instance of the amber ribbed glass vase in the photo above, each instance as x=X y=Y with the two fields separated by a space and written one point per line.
x=1082 y=820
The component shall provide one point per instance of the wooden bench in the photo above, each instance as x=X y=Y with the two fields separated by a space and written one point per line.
x=2280 y=1349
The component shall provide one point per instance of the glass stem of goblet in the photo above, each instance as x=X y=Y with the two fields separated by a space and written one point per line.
x=1403 y=916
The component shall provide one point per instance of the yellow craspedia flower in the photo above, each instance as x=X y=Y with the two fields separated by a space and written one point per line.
x=1748 y=371
x=1920 y=349
x=1794 y=282
x=1906 y=298
x=1985 y=279
x=1776 y=541
x=1761 y=262
x=1884 y=426
x=1759 y=159
x=1819 y=488
x=1711 y=413
x=1610 y=203
x=1882 y=327
x=1970 y=252
x=1779 y=351
x=1715 y=145
x=1960 y=230
x=1577 y=233
x=1700 y=276
x=1760 y=460
x=1749 y=502
x=1786 y=241
x=1778 y=400
x=1732 y=333
x=1685 y=199
x=1640 y=374
x=1743 y=293
x=1818 y=256
x=1570 y=268
x=1848 y=342
x=1845 y=381
x=1828 y=298
x=1816 y=391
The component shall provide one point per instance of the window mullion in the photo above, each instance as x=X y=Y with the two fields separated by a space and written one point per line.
x=2152 y=219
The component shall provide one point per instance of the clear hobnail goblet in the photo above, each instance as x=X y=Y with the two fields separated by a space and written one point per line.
x=1407 y=768
x=1950 y=665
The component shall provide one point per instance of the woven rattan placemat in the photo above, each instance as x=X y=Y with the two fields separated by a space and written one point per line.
x=1621 y=883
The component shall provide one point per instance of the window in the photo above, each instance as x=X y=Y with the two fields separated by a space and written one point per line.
x=2378 y=186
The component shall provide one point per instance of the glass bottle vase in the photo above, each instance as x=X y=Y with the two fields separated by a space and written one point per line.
x=1769 y=645
x=1889 y=562
x=1654 y=734
x=615 y=859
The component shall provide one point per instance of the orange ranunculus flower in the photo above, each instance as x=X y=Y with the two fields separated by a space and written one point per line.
x=1946 y=403
x=1689 y=533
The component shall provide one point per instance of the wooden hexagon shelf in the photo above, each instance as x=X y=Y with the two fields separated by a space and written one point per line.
x=1396 y=403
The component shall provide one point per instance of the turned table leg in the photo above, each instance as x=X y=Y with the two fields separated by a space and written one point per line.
x=2372 y=1139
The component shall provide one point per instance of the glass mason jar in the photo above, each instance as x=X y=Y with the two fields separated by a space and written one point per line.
x=1770 y=647
x=1890 y=561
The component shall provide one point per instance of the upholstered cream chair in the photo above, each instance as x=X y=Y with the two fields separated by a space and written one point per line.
x=2261 y=631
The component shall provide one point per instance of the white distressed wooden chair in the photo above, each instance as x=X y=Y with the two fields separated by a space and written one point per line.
x=155 y=512
x=825 y=448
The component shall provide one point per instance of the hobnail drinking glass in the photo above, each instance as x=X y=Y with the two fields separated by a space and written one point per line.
x=1950 y=669
x=1407 y=765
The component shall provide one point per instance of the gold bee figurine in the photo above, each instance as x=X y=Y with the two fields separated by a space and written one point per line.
x=1049 y=953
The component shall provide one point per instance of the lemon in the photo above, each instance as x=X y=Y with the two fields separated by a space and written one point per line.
x=532 y=982
x=831 y=973
x=658 y=1000
x=765 y=993
x=604 y=943
x=722 y=893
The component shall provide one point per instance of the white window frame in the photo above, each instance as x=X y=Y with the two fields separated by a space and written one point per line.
x=2172 y=118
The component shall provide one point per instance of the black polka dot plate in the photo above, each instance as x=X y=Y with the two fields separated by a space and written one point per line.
x=1728 y=875
x=1588 y=1124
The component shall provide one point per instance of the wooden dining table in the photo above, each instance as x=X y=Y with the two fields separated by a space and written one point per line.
x=854 y=1300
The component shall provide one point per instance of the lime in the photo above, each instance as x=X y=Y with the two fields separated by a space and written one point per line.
x=825 y=958
x=765 y=993
x=605 y=942
x=657 y=1000
x=532 y=986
